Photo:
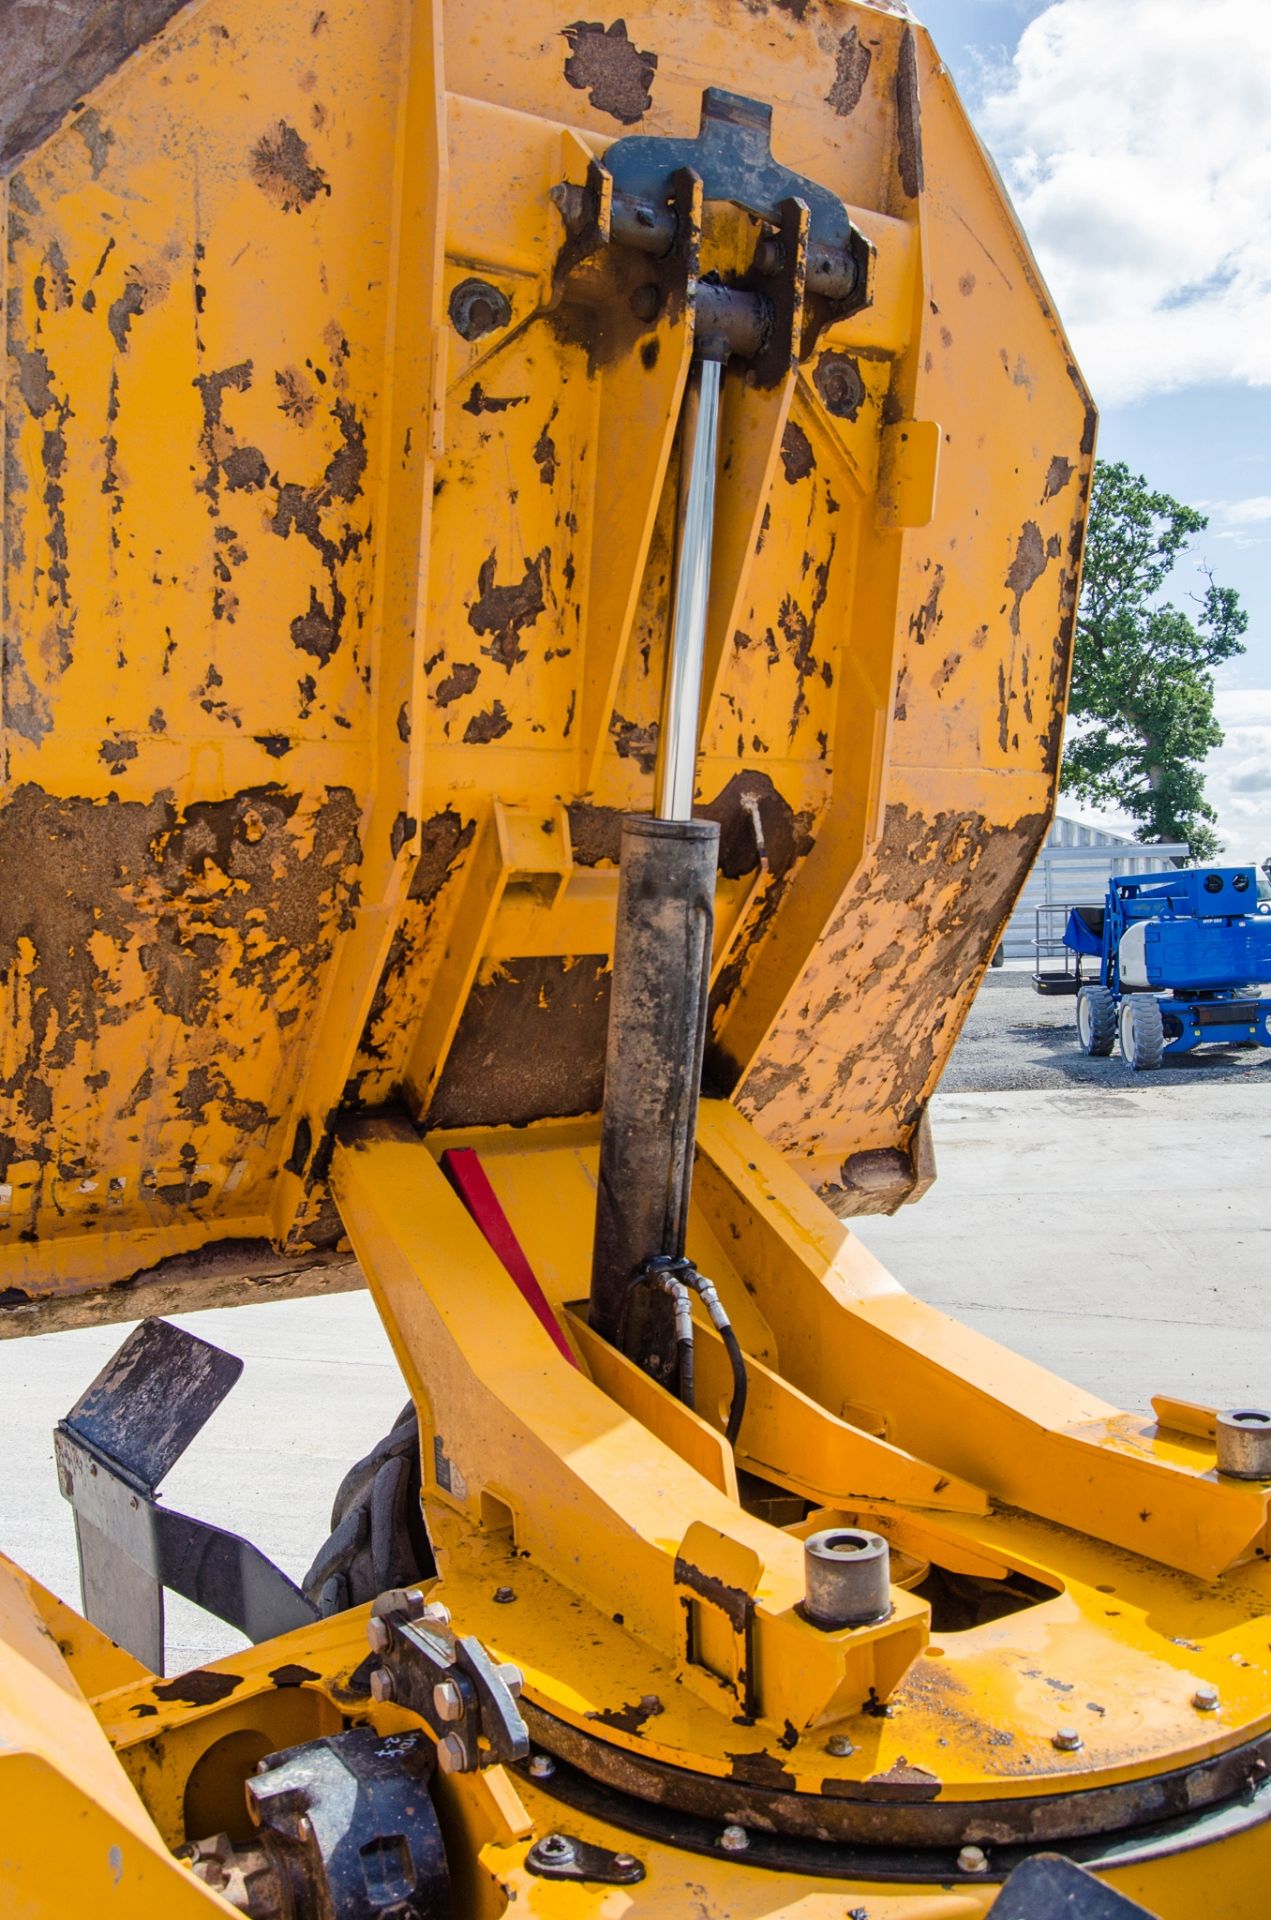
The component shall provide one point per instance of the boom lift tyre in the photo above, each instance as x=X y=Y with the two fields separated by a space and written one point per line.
x=1142 y=1032
x=1096 y=1021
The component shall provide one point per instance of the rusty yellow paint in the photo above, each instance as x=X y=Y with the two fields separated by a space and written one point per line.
x=305 y=586
x=73 y=1825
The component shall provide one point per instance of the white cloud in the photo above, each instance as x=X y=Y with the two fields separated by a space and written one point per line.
x=1238 y=773
x=1243 y=511
x=1134 y=139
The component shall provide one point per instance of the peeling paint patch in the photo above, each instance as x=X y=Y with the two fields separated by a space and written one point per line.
x=851 y=70
x=908 y=118
x=797 y=457
x=124 y=311
x=283 y=169
x=606 y=65
x=1058 y=474
x=503 y=611
x=487 y=726
x=1027 y=568
x=461 y=679
x=479 y=401
x=926 y=618
x=545 y=454
x=635 y=742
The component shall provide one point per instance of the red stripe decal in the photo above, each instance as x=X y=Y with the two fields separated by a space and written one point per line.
x=463 y=1168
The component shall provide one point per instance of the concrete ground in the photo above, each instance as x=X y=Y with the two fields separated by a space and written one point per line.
x=1114 y=1227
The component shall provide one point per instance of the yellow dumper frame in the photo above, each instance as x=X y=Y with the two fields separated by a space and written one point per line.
x=359 y=368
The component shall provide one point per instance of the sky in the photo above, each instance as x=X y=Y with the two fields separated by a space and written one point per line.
x=1135 y=139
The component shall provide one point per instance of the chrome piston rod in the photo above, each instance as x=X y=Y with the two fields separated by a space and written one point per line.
x=662 y=956
x=682 y=693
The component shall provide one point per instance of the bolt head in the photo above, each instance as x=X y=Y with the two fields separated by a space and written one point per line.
x=734 y=1840
x=556 y=1848
x=450 y=1754
x=382 y=1687
x=1067 y=1739
x=512 y=1678
x=624 y=1862
x=436 y=1613
x=840 y=1746
x=447 y=1701
x=1205 y=1698
x=973 y=1860
x=503 y=1595
x=541 y=1766
x=378 y=1634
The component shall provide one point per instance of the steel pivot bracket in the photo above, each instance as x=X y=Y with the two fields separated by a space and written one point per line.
x=811 y=265
x=449 y=1680
x=116 y=1444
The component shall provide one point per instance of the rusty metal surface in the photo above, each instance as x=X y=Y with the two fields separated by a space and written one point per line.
x=335 y=632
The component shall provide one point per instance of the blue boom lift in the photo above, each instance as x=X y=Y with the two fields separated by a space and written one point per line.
x=1180 y=957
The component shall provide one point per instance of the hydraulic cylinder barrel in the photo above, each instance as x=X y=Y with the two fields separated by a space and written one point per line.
x=653 y=1066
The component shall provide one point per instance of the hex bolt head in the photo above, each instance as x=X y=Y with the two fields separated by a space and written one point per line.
x=477 y=308
x=1205 y=1698
x=382 y=1687
x=436 y=1613
x=734 y=1840
x=541 y=1766
x=624 y=1862
x=1067 y=1739
x=973 y=1860
x=378 y=1634
x=504 y=1596
x=1243 y=1439
x=450 y=1754
x=840 y=1746
x=512 y=1678
x=847 y=1574
x=447 y=1700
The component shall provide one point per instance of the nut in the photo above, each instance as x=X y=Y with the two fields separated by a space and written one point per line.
x=447 y=1700
x=382 y=1687
x=451 y=1757
x=377 y=1634
x=846 y=1574
x=477 y=308
x=436 y=1613
x=541 y=1766
x=734 y=1839
x=973 y=1860
x=1205 y=1698
x=1243 y=1441
x=840 y=1746
x=512 y=1678
x=1067 y=1739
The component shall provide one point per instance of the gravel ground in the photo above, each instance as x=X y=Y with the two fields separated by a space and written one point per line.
x=1015 y=1039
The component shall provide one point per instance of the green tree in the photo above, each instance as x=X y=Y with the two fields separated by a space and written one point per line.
x=1141 y=710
